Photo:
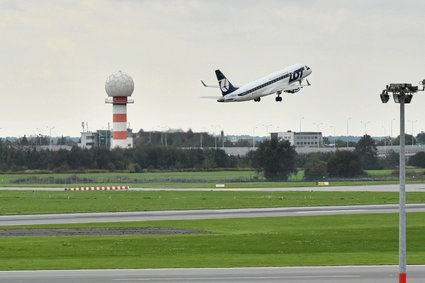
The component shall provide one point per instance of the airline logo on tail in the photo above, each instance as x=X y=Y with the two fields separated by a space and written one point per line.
x=224 y=85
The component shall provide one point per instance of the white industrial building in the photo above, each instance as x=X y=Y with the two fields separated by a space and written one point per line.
x=301 y=139
x=103 y=139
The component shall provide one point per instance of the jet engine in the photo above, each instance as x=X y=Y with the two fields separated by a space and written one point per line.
x=293 y=90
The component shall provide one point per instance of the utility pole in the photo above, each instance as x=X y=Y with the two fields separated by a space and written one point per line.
x=302 y=118
x=347 y=129
x=392 y=131
x=412 y=131
x=365 y=124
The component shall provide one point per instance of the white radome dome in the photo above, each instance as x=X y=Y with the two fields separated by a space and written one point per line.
x=119 y=84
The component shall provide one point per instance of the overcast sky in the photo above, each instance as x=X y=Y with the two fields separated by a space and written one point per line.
x=56 y=55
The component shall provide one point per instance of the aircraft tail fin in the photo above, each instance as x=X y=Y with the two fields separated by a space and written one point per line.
x=225 y=85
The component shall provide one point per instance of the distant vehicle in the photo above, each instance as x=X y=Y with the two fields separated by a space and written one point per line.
x=288 y=80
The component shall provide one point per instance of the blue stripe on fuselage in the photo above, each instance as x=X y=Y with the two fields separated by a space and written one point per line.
x=269 y=82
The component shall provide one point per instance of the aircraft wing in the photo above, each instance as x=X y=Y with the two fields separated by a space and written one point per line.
x=294 y=86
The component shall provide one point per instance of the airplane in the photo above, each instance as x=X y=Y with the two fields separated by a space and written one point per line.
x=287 y=80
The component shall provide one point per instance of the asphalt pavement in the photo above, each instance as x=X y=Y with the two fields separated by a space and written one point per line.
x=7 y=220
x=347 y=274
x=361 y=188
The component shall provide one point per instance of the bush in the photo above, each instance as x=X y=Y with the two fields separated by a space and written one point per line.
x=417 y=160
x=345 y=164
x=275 y=158
x=315 y=170
x=367 y=153
x=390 y=160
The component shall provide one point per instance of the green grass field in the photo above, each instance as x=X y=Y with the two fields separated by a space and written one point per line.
x=178 y=179
x=35 y=202
x=99 y=178
x=388 y=172
x=277 y=241
x=231 y=179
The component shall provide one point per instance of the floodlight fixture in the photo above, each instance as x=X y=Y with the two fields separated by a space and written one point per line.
x=401 y=91
x=408 y=98
x=384 y=96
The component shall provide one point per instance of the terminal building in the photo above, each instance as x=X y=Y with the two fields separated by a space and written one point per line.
x=301 y=139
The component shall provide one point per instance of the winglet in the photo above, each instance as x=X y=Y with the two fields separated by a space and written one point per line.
x=203 y=83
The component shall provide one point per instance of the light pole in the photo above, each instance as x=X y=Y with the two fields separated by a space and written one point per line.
x=163 y=130
x=333 y=128
x=318 y=125
x=302 y=118
x=393 y=119
x=349 y=118
x=39 y=135
x=412 y=130
x=385 y=139
x=50 y=136
x=402 y=93
x=215 y=137
x=165 y=136
x=220 y=132
x=253 y=137
x=365 y=124
x=267 y=129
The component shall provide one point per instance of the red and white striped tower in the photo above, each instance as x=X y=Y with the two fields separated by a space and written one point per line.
x=119 y=86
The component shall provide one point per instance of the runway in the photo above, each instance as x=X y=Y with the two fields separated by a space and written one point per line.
x=362 y=188
x=7 y=220
x=349 y=274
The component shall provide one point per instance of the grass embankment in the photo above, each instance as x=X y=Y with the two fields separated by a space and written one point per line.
x=120 y=178
x=389 y=172
x=278 y=241
x=36 y=202
x=211 y=185
x=232 y=179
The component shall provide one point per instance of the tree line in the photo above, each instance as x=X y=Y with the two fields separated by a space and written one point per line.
x=14 y=158
x=276 y=159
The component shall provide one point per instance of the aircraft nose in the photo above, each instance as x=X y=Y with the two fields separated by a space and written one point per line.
x=308 y=70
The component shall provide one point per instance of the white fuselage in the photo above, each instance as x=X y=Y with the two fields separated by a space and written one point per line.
x=273 y=83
